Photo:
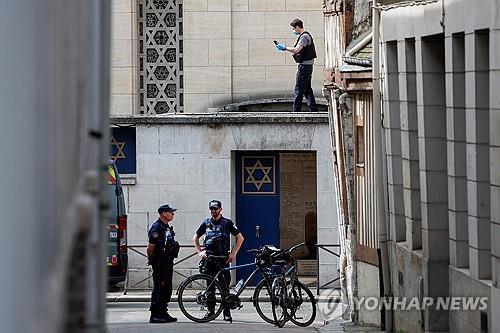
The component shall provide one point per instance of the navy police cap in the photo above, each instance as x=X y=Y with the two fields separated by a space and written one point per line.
x=166 y=208
x=215 y=204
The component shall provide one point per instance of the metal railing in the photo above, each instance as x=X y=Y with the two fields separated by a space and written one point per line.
x=325 y=247
x=135 y=248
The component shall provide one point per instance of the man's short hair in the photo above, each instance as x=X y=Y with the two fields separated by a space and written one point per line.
x=297 y=23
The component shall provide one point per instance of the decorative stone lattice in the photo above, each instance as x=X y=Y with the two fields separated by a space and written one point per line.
x=160 y=56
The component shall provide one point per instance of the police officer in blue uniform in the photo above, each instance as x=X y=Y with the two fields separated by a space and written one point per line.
x=162 y=249
x=217 y=230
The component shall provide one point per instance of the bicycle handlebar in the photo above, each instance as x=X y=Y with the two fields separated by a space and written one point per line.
x=282 y=251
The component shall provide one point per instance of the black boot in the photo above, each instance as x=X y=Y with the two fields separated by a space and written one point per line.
x=227 y=315
x=169 y=318
x=156 y=318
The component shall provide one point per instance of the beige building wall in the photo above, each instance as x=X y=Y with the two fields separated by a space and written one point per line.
x=176 y=161
x=123 y=57
x=450 y=73
x=230 y=55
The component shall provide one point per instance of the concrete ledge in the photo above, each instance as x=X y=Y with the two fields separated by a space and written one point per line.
x=128 y=179
x=222 y=118
x=269 y=105
x=346 y=326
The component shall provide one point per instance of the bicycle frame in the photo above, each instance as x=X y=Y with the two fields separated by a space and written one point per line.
x=255 y=271
x=245 y=283
x=250 y=277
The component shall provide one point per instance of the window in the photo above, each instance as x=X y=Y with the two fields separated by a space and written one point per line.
x=160 y=37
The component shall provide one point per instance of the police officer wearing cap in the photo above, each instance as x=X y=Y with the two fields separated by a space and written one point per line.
x=162 y=249
x=217 y=230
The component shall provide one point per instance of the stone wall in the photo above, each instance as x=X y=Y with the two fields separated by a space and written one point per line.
x=230 y=55
x=449 y=70
x=178 y=156
x=123 y=57
x=370 y=287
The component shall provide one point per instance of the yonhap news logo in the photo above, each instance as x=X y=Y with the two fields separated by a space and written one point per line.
x=416 y=303
x=330 y=307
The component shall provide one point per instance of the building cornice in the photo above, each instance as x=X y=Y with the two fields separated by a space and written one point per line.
x=222 y=118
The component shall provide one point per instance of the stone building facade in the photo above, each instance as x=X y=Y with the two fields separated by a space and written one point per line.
x=188 y=161
x=434 y=80
x=227 y=50
x=440 y=75
x=189 y=150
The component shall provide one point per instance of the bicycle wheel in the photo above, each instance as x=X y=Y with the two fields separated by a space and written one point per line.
x=278 y=293
x=262 y=301
x=300 y=305
x=195 y=299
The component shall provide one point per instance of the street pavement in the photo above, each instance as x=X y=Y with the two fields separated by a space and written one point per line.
x=133 y=317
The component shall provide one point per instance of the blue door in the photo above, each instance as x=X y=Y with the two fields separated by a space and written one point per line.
x=257 y=203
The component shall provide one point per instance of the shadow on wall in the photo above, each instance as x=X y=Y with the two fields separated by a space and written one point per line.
x=268 y=105
x=311 y=234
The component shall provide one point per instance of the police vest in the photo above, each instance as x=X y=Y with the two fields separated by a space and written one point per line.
x=169 y=237
x=216 y=237
x=308 y=52
x=172 y=247
x=167 y=245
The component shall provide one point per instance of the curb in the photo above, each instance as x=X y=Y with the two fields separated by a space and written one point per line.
x=138 y=299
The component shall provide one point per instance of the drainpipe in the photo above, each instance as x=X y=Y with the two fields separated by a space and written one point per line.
x=345 y=106
x=338 y=169
x=379 y=153
x=365 y=41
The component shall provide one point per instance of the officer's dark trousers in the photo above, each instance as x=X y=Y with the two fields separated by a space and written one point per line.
x=163 y=268
x=212 y=267
x=303 y=88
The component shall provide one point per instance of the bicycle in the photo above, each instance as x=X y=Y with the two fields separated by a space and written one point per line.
x=293 y=300
x=201 y=292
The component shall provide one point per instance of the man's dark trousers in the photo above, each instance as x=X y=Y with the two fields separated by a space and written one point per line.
x=163 y=268
x=212 y=267
x=303 y=88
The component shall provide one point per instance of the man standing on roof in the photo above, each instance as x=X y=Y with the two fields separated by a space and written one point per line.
x=303 y=53
x=217 y=230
